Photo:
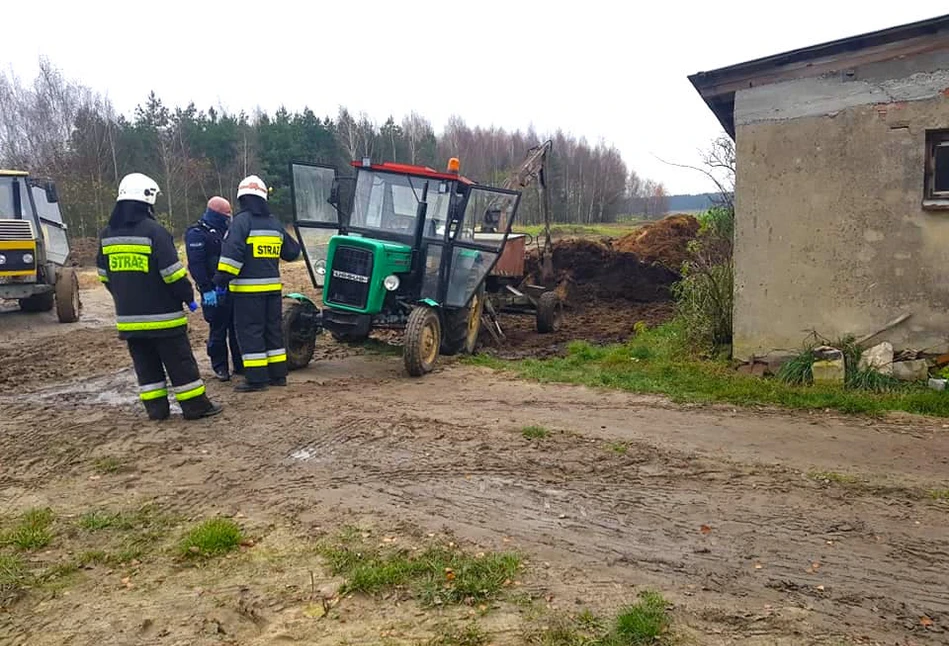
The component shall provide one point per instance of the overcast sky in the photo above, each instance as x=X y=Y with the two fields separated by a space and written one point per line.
x=599 y=69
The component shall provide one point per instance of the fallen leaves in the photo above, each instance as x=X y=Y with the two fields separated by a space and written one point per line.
x=705 y=529
x=926 y=621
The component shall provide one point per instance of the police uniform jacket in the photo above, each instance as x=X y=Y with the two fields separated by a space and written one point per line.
x=250 y=258
x=138 y=263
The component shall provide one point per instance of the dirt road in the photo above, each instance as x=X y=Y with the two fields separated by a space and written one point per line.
x=762 y=527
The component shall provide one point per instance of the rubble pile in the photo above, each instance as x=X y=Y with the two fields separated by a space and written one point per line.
x=590 y=270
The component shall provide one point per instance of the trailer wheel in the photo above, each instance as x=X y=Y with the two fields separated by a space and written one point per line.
x=37 y=302
x=68 y=305
x=549 y=312
x=422 y=341
x=463 y=326
x=298 y=339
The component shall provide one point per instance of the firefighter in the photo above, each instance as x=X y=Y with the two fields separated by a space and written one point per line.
x=138 y=262
x=203 y=242
x=249 y=269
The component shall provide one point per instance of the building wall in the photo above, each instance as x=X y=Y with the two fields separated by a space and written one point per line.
x=830 y=231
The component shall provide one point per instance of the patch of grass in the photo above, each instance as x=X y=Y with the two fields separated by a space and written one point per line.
x=93 y=557
x=59 y=576
x=535 y=432
x=939 y=494
x=619 y=447
x=31 y=531
x=451 y=635
x=833 y=476
x=798 y=370
x=98 y=519
x=107 y=465
x=124 y=536
x=13 y=573
x=213 y=537
x=645 y=622
x=436 y=575
x=673 y=370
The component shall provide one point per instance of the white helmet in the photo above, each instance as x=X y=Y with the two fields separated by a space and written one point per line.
x=252 y=185
x=138 y=187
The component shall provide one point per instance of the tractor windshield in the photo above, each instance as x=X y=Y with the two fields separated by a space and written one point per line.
x=389 y=202
x=6 y=198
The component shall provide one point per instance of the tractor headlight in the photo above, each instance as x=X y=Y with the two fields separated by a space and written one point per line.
x=3 y=259
x=391 y=282
x=27 y=258
x=321 y=267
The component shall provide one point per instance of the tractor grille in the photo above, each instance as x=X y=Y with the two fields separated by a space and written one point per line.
x=16 y=230
x=349 y=278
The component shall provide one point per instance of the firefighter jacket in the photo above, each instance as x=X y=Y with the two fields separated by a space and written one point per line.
x=250 y=258
x=138 y=262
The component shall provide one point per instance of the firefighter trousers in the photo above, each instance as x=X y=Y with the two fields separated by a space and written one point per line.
x=153 y=358
x=257 y=318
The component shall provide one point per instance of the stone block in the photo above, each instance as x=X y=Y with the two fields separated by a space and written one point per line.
x=937 y=384
x=878 y=358
x=756 y=369
x=829 y=371
x=777 y=359
x=915 y=370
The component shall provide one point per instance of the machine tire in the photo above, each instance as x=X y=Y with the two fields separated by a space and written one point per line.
x=463 y=327
x=68 y=305
x=422 y=341
x=549 y=313
x=38 y=302
x=300 y=347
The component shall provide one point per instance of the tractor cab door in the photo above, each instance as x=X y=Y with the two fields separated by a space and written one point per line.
x=478 y=241
x=320 y=211
x=46 y=204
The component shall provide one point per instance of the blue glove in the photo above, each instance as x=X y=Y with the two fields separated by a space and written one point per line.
x=192 y=306
x=220 y=291
x=209 y=299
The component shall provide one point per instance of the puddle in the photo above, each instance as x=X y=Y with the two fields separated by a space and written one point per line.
x=115 y=389
x=303 y=454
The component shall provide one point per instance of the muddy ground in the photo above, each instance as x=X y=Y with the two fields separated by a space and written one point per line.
x=760 y=527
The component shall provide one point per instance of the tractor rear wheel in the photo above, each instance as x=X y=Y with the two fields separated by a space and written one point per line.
x=423 y=335
x=549 y=312
x=299 y=341
x=462 y=326
x=68 y=305
x=37 y=302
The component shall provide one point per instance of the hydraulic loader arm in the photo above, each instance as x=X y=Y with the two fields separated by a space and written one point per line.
x=535 y=166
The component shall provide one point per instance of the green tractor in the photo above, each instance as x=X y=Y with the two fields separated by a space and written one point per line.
x=397 y=246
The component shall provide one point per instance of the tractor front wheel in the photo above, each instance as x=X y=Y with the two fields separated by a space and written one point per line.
x=423 y=336
x=299 y=340
x=462 y=326
x=68 y=305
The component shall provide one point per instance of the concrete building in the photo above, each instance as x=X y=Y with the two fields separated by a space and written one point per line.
x=842 y=189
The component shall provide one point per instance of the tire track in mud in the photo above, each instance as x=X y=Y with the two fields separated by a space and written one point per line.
x=616 y=517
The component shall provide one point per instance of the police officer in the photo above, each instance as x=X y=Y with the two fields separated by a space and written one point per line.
x=249 y=268
x=138 y=262
x=203 y=242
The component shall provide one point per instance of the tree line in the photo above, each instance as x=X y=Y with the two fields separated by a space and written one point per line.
x=59 y=128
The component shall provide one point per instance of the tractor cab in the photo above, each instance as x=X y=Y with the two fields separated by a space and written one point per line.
x=34 y=247
x=398 y=246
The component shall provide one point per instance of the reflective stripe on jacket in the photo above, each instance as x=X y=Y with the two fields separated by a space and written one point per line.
x=139 y=265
